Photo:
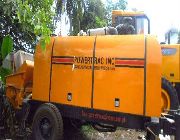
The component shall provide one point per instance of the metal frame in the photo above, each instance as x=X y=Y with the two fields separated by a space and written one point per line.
x=170 y=124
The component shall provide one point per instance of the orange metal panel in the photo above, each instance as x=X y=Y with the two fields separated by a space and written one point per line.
x=119 y=73
x=41 y=77
x=65 y=77
x=125 y=83
x=22 y=77
x=153 y=81
x=16 y=84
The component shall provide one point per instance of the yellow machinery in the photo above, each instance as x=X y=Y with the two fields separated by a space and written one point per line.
x=100 y=70
x=139 y=20
x=112 y=80
x=107 y=81
x=170 y=59
x=19 y=85
x=123 y=22
x=171 y=67
x=100 y=65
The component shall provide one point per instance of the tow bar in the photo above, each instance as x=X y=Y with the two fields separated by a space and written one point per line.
x=177 y=124
x=167 y=125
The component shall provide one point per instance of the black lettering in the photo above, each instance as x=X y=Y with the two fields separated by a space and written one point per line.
x=88 y=60
x=109 y=61
x=85 y=60
x=113 y=60
x=82 y=60
x=91 y=59
x=95 y=60
x=99 y=60
x=102 y=60
x=77 y=59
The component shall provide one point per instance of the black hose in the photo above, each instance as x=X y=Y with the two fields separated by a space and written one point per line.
x=104 y=127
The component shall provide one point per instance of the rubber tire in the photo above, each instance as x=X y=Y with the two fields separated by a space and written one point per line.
x=177 y=87
x=51 y=112
x=168 y=87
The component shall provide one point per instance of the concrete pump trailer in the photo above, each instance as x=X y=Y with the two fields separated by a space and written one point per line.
x=108 y=81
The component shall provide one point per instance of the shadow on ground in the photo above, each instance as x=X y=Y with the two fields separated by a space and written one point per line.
x=86 y=132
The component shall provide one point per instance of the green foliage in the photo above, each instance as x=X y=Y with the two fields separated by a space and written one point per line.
x=118 y=5
x=7 y=46
x=87 y=129
x=23 y=23
x=94 y=15
x=26 y=21
x=3 y=73
x=22 y=39
x=100 y=22
x=37 y=15
x=85 y=14
x=75 y=10
x=59 y=8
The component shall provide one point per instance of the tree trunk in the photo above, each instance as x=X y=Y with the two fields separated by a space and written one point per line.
x=70 y=23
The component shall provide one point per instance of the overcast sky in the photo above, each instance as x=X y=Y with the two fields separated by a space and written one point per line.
x=163 y=14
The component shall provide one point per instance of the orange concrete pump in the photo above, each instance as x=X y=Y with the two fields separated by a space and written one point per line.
x=113 y=80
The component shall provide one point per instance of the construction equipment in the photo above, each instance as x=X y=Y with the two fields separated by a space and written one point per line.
x=170 y=59
x=138 y=20
x=108 y=81
x=171 y=62
x=130 y=22
x=124 y=22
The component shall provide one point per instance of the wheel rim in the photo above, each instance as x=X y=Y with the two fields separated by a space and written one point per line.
x=165 y=101
x=45 y=128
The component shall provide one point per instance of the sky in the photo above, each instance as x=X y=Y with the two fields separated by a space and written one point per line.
x=163 y=14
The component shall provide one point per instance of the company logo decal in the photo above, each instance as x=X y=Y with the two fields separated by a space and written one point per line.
x=100 y=63
x=130 y=62
x=168 y=51
x=105 y=117
x=64 y=60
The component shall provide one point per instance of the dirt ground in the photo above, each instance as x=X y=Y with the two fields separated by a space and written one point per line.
x=88 y=133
